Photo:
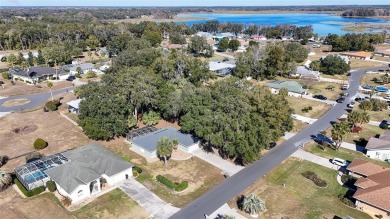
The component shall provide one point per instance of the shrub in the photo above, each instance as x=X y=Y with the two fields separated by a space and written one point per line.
x=66 y=201
x=40 y=144
x=77 y=75
x=175 y=186
x=314 y=178
x=151 y=118
x=310 y=108
x=356 y=129
x=346 y=201
x=90 y=74
x=138 y=169
x=6 y=75
x=45 y=110
x=50 y=105
x=51 y=186
x=26 y=192
x=57 y=103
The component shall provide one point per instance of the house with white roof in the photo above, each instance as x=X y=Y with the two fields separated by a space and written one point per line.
x=73 y=106
x=304 y=72
x=222 y=69
x=204 y=34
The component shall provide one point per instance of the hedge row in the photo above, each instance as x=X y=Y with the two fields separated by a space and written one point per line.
x=30 y=193
x=176 y=186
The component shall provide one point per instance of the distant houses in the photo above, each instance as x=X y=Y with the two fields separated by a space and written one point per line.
x=220 y=36
x=258 y=37
x=294 y=88
x=33 y=74
x=373 y=187
x=222 y=69
x=206 y=35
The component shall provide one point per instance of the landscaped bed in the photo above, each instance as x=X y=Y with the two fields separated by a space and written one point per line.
x=287 y=194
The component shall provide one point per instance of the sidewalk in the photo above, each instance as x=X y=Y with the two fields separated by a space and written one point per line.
x=225 y=210
x=217 y=161
x=147 y=199
x=303 y=119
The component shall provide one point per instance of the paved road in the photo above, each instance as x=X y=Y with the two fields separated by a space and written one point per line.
x=36 y=100
x=232 y=186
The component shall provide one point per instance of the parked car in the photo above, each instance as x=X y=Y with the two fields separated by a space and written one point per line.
x=387 y=97
x=345 y=87
x=344 y=95
x=339 y=162
x=359 y=99
x=351 y=104
x=71 y=78
x=385 y=124
x=340 y=100
x=320 y=97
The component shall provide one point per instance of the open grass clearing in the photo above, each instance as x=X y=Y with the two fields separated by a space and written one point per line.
x=359 y=64
x=367 y=132
x=201 y=176
x=379 y=115
x=368 y=79
x=381 y=58
x=300 y=198
x=298 y=104
x=16 y=102
x=321 y=88
x=21 y=88
x=342 y=153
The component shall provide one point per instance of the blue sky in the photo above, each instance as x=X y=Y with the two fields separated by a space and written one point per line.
x=186 y=2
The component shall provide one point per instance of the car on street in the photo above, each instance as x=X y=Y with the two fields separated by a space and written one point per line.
x=339 y=162
x=351 y=104
x=71 y=78
x=320 y=97
x=344 y=87
x=340 y=100
x=344 y=95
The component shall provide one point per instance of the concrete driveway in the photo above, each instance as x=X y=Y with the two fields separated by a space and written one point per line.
x=155 y=206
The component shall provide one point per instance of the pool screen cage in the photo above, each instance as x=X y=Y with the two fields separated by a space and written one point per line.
x=32 y=175
x=140 y=132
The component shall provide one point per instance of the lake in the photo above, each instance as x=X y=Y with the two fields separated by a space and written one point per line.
x=322 y=23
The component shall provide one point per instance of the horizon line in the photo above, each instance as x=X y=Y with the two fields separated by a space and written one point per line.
x=205 y=6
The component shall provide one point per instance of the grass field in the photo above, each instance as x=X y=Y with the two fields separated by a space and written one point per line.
x=367 y=132
x=298 y=104
x=342 y=153
x=299 y=197
x=358 y=64
x=320 y=88
x=367 y=79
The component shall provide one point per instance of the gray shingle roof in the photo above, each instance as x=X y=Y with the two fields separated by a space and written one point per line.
x=86 y=164
x=34 y=72
x=291 y=86
x=149 y=141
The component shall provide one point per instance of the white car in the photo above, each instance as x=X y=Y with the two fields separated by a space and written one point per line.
x=339 y=162
x=351 y=104
x=345 y=87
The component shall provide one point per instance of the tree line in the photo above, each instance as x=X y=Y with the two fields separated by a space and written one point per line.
x=354 y=42
x=366 y=12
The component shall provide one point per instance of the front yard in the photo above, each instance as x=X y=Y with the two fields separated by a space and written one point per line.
x=318 y=108
x=321 y=88
x=287 y=194
x=21 y=88
x=367 y=132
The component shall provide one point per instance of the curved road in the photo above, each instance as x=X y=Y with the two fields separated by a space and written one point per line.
x=35 y=100
x=221 y=194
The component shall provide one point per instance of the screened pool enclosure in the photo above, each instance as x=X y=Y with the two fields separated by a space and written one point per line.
x=32 y=175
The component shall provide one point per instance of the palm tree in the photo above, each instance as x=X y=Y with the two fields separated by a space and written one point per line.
x=340 y=129
x=365 y=105
x=50 y=85
x=364 y=117
x=253 y=205
x=164 y=148
x=354 y=117
x=5 y=180
x=175 y=144
x=11 y=59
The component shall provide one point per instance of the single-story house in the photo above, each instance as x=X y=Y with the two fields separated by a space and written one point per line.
x=294 y=88
x=379 y=148
x=204 y=34
x=284 y=38
x=373 y=187
x=146 y=143
x=73 y=106
x=222 y=69
x=77 y=173
x=89 y=167
x=258 y=37
x=33 y=74
x=85 y=68
x=358 y=55
x=304 y=72
x=220 y=36
x=383 y=52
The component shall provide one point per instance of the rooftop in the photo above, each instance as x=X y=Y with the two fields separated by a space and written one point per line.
x=216 y=66
x=377 y=144
x=357 y=54
x=34 y=72
x=86 y=164
x=364 y=167
x=303 y=71
x=149 y=141
x=74 y=103
x=291 y=86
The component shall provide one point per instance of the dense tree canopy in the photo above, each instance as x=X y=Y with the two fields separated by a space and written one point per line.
x=333 y=64
x=354 y=42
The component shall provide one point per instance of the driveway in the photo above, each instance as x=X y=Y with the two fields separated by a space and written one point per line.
x=155 y=206
x=35 y=100
x=232 y=186
x=217 y=161
x=301 y=154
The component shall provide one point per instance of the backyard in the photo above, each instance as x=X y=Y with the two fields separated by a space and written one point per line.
x=318 y=108
x=287 y=194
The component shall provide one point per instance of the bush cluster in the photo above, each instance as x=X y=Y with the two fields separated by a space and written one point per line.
x=51 y=186
x=40 y=144
x=30 y=193
x=6 y=75
x=313 y=177
x=137 y=169
x=50 y=105
x=346 y=201
x=307 y=109
x=176 y=186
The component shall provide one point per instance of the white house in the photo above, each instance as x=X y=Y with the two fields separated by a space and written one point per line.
x=379 y=148
x=222 y=69
x=204 y=34
x=87 y=169
x=144 y=140
x=73 y=106
x=304 y=72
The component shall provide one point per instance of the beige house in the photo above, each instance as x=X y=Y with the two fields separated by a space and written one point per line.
x=373 y=187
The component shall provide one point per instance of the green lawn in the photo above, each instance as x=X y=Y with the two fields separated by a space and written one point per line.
x=301 y=198
x=342 y=153
x=367 y=132
x=320 y=88
x=379 y=115
x=367 y=79
x=298 y=104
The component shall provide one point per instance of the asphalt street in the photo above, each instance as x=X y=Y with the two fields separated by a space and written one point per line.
x=231 y=187
x=35 y=100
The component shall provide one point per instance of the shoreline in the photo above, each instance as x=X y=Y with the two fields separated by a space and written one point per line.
x=263 y=12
